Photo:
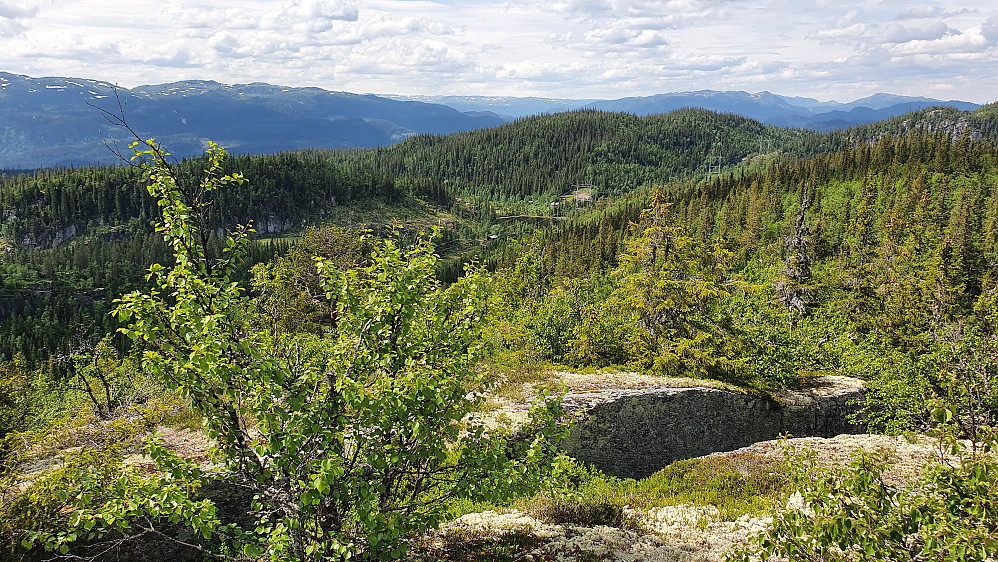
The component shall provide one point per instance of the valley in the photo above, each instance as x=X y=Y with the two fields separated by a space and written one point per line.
x=54 y=121
x=313 y=356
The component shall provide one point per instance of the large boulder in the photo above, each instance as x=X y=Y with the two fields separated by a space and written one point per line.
x=632 y=433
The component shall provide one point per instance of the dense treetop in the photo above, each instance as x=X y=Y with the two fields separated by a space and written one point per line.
x=73 y=239
x=691 y=243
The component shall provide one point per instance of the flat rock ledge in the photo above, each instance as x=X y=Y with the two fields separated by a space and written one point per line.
x=634 y=432
x=686 y=533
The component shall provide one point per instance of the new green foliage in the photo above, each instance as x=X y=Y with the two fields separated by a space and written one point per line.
x=857 y=514
x=351 y=438
x=669 y=285
x=947 y=512
x=740 y=484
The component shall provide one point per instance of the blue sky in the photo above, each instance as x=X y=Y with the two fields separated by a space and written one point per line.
x=841 y=49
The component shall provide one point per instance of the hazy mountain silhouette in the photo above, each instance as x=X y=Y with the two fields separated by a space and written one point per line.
x=52 y=121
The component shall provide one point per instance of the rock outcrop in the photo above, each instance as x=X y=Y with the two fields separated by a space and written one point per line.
x=632 y=433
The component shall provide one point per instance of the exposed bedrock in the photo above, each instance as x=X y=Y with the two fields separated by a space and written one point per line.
x=633 y=433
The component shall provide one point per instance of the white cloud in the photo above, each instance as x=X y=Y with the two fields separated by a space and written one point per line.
x=225 y=42
x=849 y=32
x=568 y=48
x=539 y=71
x=895 y=33
x=18 y=9
x=930 y=12
x=14 y=15
x=612 y=39
x=663 y=13
x=582 y=7
x=321 y=10
x=706 y=63
x=848 y=19
x=378 y=26
x=969 y=41
x=759 y=69
x=990 y=30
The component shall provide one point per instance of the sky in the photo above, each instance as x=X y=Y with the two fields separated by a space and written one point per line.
x=841 y=49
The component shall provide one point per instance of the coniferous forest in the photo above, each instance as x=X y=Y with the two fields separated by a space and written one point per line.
x=371 y=283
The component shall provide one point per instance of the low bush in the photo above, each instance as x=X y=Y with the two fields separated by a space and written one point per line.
x=854 y=514
x=735 y=484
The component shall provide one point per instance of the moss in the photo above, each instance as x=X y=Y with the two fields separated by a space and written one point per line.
x=735 y=484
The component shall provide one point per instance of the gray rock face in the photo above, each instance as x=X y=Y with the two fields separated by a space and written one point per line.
x=633 y=433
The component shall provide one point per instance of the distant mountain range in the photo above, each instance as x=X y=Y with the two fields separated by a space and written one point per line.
x=47 y=121
x=52 y=122
x=771 y=109
x=510 y=108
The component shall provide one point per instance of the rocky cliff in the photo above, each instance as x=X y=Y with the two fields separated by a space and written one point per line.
x=634 y=432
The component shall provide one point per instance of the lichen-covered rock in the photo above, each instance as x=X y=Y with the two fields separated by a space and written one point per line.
x=634 y=432
x=685 y=532
x=569 y=543
x=822 y=410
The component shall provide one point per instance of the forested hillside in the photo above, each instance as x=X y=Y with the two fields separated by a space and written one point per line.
x=977 y=124
x=60 y=226
x=545 y=156
x=689 y=244
x=75 y=239
x=876 y=249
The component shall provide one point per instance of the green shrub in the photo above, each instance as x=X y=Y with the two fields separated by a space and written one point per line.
x=352 y=441
x=44 y=506
x=587 y=511
x=854 y=514
x=31 y=400
x=736 y=485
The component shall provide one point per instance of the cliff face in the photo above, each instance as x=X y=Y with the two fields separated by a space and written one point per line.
x=633 y=433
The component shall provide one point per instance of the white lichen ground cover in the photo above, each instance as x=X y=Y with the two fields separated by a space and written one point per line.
x=684 y=532
x=673 y=533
